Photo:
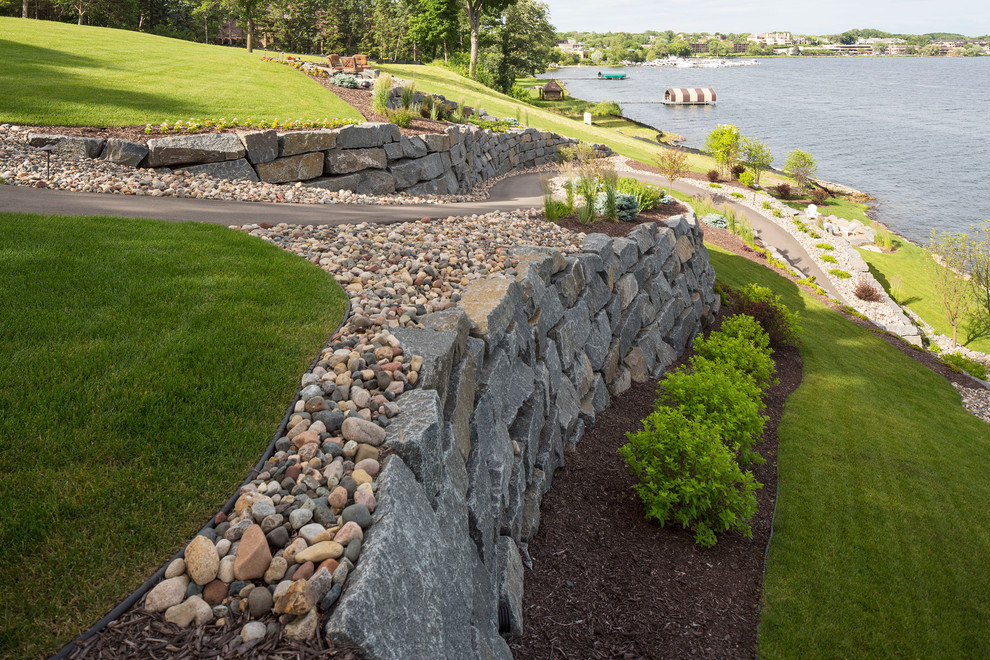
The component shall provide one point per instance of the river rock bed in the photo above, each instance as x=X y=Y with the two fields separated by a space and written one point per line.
x=23 y=165
x=976 y=401
x=277 y=563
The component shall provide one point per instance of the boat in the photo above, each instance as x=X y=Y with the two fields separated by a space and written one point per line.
x=611 y=76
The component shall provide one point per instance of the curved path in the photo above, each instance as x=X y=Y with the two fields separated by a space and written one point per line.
x=509 y=194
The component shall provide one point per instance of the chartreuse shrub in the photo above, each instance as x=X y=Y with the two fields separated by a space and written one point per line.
x=647 y=196
x=769 y=310
x=688 y=457
x=969 y=365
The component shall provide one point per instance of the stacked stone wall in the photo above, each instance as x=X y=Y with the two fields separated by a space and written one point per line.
x=511 y=378
x=369 y=159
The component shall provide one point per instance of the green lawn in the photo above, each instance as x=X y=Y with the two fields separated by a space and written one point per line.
x=59 y=74
x=841 y=207
x=882 y=529
x=144 y=367
x=904 y=274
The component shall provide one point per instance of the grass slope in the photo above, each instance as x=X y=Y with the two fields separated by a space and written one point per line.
x=882 y=528
x=904 y=274
x=143 y=369
x=59 y=74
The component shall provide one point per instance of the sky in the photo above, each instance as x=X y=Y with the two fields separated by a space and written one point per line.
x=968 y=17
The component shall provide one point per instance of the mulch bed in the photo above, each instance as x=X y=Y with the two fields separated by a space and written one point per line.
x=614 y=229
x=360 y=99
x=607 y=583
x=139 y=634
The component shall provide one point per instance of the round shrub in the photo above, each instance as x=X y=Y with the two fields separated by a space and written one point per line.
x=770 y=311
x=625 y=204
x=784 y=190
x=716 y=220
x=344 y=80
x=818 y=196
x=713 y=175
x=866 y=291
x=747 y=179
x=737 y=170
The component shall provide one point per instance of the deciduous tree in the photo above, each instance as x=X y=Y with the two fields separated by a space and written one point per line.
x=673 y=164
x=757 y=155
x=801 y=166
x=723 y=144
x=475 y=10
x=950 y=259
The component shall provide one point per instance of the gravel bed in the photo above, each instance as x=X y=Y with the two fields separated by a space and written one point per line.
x=23 y=165
x=976 y=401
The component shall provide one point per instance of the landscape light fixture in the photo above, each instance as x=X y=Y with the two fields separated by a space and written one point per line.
x=48 y=149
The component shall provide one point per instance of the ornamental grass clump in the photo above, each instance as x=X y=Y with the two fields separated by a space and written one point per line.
x=381 y=93
x=688 y=457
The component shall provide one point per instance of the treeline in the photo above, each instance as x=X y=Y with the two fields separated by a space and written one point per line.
x=493 y=40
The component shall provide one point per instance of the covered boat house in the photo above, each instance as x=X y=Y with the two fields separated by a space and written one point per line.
x=689 y=96
x=552 y=91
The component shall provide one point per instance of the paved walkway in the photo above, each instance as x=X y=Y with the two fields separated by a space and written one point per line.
x=516 y=192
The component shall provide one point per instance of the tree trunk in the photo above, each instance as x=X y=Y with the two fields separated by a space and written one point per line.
x=250 y=34
x=24 y=8
x=473 y=21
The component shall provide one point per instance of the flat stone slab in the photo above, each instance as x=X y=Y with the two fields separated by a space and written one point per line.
x=239 y=169
x=292 y=168
x=194 y=149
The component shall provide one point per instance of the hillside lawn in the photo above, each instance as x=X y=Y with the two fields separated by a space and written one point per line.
x=68 y=75
x=882 y=529
x=904 y=274
x=144 y=367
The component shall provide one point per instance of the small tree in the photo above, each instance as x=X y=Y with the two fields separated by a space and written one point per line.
x=757 y=155
x=672 y=163
x=723 y=145
x=950 y=258
x=979 y=277
x=801 y=166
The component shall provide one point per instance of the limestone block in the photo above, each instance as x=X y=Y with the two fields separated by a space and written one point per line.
x=292 y=168
x=192 y=149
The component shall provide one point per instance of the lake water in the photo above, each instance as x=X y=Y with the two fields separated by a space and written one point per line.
x=912 y=132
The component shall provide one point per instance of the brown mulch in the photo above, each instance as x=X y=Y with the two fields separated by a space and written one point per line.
x=360 y=99
x=139 y=634
x=697 y=176
x=662 y=212
x=607 y=583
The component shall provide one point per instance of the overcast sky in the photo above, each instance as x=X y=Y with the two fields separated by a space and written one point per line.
x=969 y=17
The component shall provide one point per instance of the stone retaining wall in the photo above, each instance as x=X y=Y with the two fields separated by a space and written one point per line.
x=510 y=378
x=370 y=158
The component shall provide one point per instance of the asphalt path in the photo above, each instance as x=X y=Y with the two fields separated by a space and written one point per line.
x=515 y=192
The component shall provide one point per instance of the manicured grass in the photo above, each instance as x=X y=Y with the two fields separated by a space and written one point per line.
x=882 y=529
x=841 y=207
x=144 y=367
x=59 y=74
x=904 y=273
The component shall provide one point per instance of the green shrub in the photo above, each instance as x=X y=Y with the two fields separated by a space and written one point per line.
x=714 y=185
x=401 y=117
x=344 y=80
x=607 y=109
x=686 y=474
x=829 y=259
x=381 y=93
x=742 y=343
x=716 y=220
x=647 y=196
x=737 y=195
x=779 y=322
x=626 y=206
x=777 y=213
x=824 y=246
x=554 y=209
x=766 y=204
x=747 y=178
x=841 y=274
x=972 y=367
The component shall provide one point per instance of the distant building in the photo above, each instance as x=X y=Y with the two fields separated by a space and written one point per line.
x=773 y=38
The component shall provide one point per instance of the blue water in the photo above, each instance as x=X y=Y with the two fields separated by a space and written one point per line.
x=912 y=132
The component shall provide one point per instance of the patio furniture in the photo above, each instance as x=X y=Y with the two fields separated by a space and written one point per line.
x=334 y=62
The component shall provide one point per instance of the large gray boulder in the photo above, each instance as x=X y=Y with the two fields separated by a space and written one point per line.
x=301 y=142
x=344 y=182
x=375 y=182
x=124 y=152
x=238 y=169
x=364 y=136
x=261 y=146
x=401 y=602
x=354 y=160
x=69 y=146
x=416 y=435
x=292 y=168
x=193 y=149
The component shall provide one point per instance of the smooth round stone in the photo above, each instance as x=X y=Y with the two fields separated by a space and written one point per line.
x=300 y=517
x=262 y=509
x=260 y=602
x=349 y=485
x=202 y=560
x=226 y=571
x=223 y=547
x=331 y=597
x=353 y=550
x=276 y=570
x=361 y=477
x=366 y=452
x=312 y=532
x=271 y=522
x=253 y=630
x=357 y=513
x=215 y=592
x=176 y=568
x=351 y=531
x=369 y=465
x=278 y=537
x=319 y=551
x=366 y=496
x=168 y=593
x=350 y=449
x=193 y=590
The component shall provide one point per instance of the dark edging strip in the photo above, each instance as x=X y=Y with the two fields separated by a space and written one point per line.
x=128 y=602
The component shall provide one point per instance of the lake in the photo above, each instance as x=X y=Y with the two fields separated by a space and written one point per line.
x=913 y=132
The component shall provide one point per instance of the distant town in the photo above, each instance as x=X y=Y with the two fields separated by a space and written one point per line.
x=627 y=48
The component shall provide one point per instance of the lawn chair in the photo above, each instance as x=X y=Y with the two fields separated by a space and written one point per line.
x=350 y=66
x=334 y=62
x=361 y=61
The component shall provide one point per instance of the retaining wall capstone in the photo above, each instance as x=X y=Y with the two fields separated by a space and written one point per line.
x=510 y=377
x=369 y=158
